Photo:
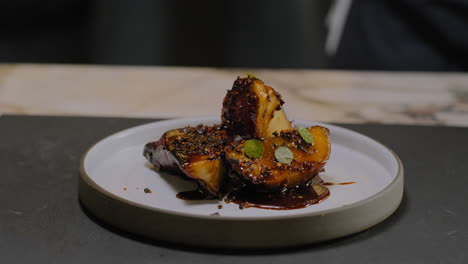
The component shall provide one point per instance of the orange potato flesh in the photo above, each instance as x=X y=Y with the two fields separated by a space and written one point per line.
x=195 y=152
x=206 y=171
x=252 y=109
x=269 y=117
x=308 y=161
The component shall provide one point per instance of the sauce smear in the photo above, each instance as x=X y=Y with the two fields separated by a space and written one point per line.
x=196 y=194
x=337 y=183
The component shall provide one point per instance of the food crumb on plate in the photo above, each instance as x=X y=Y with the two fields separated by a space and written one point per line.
x=220 y=206
x=147 y=190
x=215 y=214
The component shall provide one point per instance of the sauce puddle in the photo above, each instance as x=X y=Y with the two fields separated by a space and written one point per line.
x=290 y=199
x=250 y=196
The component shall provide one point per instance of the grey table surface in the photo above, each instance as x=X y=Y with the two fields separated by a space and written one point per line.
x=42 y=221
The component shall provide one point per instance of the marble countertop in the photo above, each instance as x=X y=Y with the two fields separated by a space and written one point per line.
x=168 y=92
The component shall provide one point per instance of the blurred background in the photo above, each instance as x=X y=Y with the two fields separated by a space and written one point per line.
x=253 y=33
x=405 y=35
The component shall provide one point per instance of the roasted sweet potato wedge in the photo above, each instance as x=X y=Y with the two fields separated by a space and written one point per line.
x=252 y=109
x=308 y=159
x=195 y=152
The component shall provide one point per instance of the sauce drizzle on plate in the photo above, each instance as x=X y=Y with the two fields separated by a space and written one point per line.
x=338 y=183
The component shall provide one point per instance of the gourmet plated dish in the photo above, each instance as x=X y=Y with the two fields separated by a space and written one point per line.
x=256 y=157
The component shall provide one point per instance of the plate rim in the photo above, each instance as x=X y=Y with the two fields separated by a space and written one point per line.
x=88 y=180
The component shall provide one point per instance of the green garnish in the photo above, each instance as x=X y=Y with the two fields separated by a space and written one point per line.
x=253 y=148
x=306 y=135
x=284 y=155
x=251 y=76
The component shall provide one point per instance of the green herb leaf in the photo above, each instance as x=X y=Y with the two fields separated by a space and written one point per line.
x=306 y=135
x=284 y=155
x=253 y=148
x=251 y=76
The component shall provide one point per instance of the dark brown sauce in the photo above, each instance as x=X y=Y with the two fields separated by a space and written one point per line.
x=290 y=199
x=196 y=194
x=337 y=183
x=249 y=196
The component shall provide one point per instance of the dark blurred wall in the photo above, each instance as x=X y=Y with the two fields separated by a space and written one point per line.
x=255 y=33
x=43 y=31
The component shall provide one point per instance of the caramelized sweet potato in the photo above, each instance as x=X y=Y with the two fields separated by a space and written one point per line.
x=195 y=152
x=253 y=110
x=258 y=177
x=266 y=171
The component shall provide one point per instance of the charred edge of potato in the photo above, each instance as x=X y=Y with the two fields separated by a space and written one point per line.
x=158 y=155
x=195 y=152
x=265 y=171
x=253 y=110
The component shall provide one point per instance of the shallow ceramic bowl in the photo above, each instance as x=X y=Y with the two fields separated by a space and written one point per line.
x=114 y=175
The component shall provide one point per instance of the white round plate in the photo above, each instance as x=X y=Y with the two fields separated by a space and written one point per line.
x=114 y=175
